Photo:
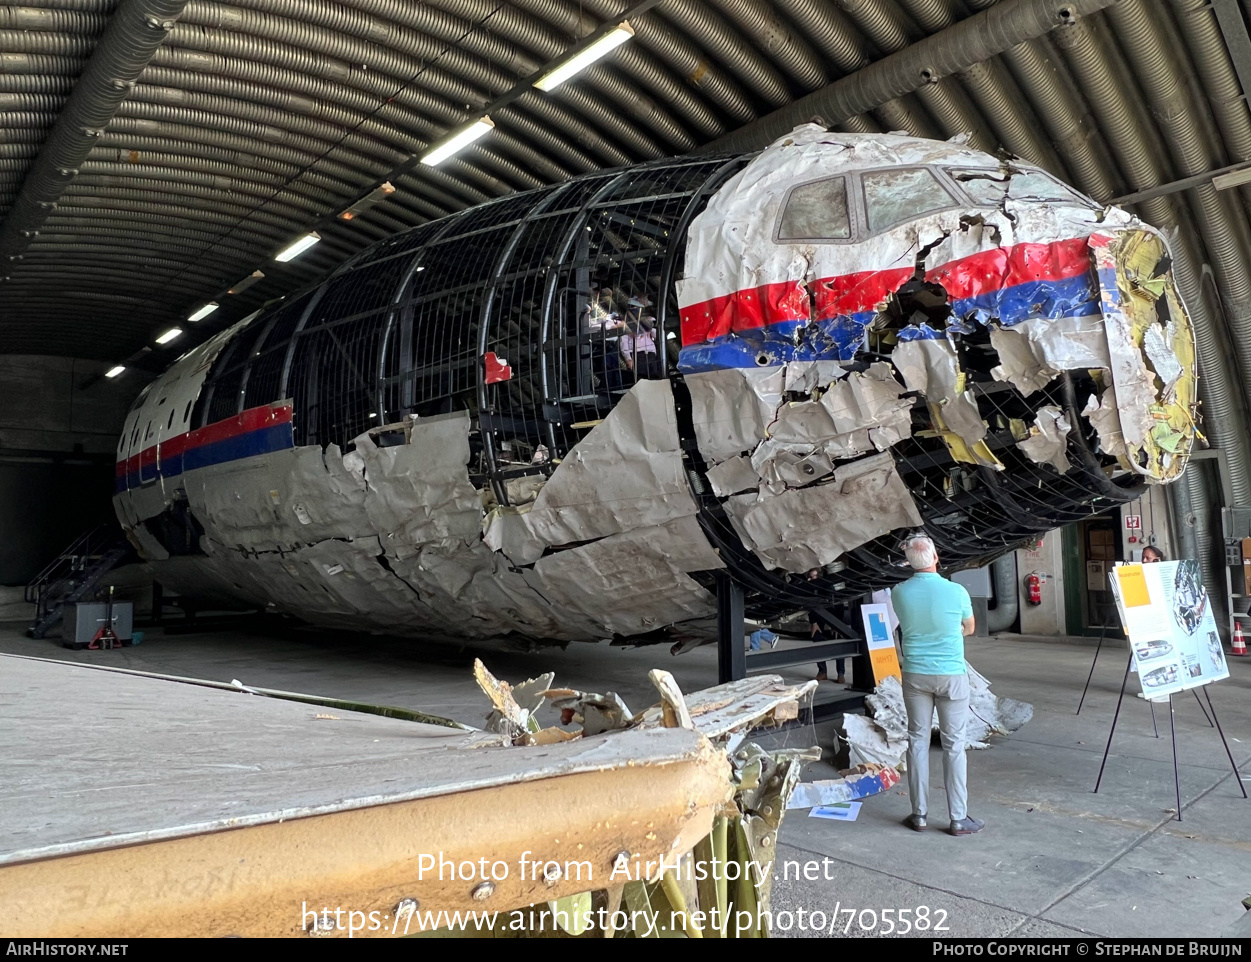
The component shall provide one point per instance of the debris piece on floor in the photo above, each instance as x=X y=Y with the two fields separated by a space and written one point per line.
x=881 y=737
x=830 y=791
x=838 y=812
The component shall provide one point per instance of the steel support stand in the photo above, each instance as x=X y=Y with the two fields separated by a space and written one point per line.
x=1154 y=726
x=1202 y=709
x=731 y=655
x=1176 y=776
x=1119 y=699
x=1099 y=646
x=1234 y=764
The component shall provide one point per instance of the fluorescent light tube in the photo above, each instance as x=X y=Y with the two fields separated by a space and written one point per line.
x=298 y=248
x=169 y=335
x=114 y=371
x=203 y=312
x=372 y=199
x=247 y=282
x=459 y=141
x=1235 y=178
x=584 y=58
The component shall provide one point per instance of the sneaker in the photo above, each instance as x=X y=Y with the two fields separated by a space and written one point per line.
x=966 y=826
x=916 y=823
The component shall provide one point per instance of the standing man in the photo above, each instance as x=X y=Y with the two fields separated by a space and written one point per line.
x=934 y=616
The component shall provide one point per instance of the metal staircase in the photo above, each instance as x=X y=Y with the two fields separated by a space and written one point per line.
x=74 y=574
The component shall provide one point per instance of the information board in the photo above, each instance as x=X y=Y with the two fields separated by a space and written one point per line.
x=1168 y=617
x=877 y=632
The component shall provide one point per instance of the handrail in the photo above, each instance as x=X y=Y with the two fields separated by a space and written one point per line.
x=79 y=547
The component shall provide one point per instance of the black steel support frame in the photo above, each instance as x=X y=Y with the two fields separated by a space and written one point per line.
x=1002 y=508
x=731 y=656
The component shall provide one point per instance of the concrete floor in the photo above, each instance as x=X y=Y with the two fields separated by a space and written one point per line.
x=1055 y=859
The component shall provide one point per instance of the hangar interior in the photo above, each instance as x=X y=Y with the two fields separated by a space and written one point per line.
x=312 y=311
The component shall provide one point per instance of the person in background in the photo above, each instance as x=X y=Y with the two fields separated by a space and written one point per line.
x=1152 y=555
x=637 y=345
x=761 y=636
x=935 y=615
x=819 y=633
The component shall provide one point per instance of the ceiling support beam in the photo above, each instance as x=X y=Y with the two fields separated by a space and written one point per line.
x=136 y=30
x=1233 y=28
x=969 y=42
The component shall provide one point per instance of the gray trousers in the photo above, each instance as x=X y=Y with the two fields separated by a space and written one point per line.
x=950 y=695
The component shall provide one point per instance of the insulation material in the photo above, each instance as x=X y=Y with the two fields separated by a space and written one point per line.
x=802 y=529
x=1048 y=439
x=1151 y=351
x=1104 y=415
x=881 y=737
x=625 y=475
x=633 y=582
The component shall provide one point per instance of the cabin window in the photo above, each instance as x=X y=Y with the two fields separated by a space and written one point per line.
x=894 y=196
x=816 y=211
x=988 y=187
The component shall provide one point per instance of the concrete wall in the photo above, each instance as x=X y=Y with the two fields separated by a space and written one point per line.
x=59 y=421
x=1152 y=511
x=63 y=404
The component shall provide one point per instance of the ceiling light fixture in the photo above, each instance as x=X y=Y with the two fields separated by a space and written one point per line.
x=1235 y=178
x=247 y=282
x=458 y=141
x=114 y=371
x=299 y=247
x=169 y=335
x=203 y=312
x=372 y=199
x=584 y=58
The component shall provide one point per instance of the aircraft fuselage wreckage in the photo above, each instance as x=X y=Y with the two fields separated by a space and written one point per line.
x=561 y=413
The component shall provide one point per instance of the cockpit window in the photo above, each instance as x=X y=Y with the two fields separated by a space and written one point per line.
x=988 y=187
x=816 y=211
x=894 y=196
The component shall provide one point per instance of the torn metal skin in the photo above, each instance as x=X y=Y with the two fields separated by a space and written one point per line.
x=889 y=354
x=1009 y=281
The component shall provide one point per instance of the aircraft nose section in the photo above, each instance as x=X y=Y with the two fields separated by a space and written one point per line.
x=1152 y=374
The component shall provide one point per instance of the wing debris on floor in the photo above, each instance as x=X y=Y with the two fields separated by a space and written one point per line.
x=880 y=737
x=726 y=877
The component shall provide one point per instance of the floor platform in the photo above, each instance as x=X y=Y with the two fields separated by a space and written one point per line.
x=1055 y=859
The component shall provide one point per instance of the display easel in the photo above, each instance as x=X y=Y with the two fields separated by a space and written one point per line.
x=1173 y=644
x=1173 y=732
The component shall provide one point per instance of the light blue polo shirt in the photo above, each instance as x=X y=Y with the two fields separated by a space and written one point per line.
x=930 y=609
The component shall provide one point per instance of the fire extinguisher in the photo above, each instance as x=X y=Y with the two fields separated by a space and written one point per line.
x=1033 y=588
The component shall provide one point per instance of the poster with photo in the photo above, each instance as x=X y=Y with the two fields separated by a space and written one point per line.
x=1168 y=617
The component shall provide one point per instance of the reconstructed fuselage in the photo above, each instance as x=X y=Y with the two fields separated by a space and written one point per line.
x=562 y=413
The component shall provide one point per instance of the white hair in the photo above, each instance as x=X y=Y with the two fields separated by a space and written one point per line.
x=920 y=551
